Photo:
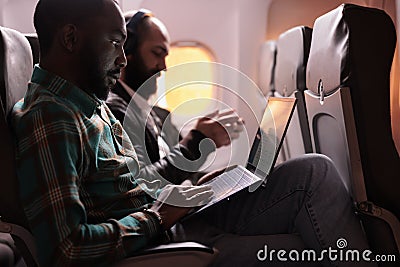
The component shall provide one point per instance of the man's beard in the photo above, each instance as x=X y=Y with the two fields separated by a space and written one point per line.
x=136 y=76
x=99 y=80
x=102 y=89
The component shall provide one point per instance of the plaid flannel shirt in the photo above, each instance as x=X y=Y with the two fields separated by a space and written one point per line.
x=82 y=203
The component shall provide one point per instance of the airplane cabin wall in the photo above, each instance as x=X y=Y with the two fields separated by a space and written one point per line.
x=18 y=14
x=1 y=11
x=286 y=14
x=234 y=31
x=395 y=82
x=127 y=5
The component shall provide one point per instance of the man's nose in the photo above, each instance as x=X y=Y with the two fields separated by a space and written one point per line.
x=121 y=60
x=161 y=65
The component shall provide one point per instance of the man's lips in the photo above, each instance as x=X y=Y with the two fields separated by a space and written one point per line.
x=115 y=74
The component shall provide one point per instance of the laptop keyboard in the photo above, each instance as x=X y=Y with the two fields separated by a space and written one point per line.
x=231 y=182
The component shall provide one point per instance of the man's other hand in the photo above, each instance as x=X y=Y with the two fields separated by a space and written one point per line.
x=221 y=127
x=175 y=201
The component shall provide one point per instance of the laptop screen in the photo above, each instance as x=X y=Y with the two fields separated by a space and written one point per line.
x=263 y=153
x=268 y=140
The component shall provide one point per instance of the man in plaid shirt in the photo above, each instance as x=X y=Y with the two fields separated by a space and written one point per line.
x=77 y=185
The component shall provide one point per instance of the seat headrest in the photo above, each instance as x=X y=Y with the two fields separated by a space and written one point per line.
x=350 y=43
x=16 y=66
x=353 y=46
x=291 y=60
x=267 y=67
x=34 y=42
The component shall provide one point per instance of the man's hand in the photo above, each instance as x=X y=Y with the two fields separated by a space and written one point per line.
x=209 y=176
x=222 y=127
x=175 y=201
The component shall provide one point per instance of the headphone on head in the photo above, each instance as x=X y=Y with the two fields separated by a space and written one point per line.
x=131 y=27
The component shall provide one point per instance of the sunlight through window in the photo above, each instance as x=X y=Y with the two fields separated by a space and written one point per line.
x=191 y=99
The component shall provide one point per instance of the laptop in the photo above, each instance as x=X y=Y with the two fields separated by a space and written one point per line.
x=263 y=153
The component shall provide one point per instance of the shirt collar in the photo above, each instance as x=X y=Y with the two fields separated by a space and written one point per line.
x=139 y=100
x=85 y=102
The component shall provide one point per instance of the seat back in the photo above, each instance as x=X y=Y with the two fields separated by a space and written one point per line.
x=34 y=42
x=293 y=47
x=16 y=70
x=348 y=81
x=267 y=68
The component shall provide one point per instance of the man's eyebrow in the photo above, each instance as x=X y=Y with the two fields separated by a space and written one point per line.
x=164 y=49
x=122 y=34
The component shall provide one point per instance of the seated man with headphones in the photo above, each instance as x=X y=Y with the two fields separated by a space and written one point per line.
x=160 y=148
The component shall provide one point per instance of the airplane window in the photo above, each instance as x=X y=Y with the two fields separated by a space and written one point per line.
x=177 y=100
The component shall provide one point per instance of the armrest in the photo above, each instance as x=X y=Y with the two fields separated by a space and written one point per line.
x=369 y=210
x=180 y=254
x=7 y=251
x=176 y=247
x=23 y=240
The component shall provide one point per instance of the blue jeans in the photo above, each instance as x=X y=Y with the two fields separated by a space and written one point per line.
x=304 y=206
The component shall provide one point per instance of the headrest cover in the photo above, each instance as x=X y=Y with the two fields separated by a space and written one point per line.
x=17 y=66
x=349 y=42
x=34 y=42
x=353 y=46
x=291 y=60
x=267 y=67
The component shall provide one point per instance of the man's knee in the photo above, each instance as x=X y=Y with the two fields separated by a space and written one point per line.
x=312 y=160
x=312 y=170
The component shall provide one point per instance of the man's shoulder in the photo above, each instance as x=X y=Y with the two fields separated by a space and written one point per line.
x=162 y=113
x=46 y=108
x=116 y=101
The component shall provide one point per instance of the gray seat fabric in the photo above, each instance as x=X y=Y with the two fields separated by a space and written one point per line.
x=7 y=257
x=348 y=81
x=14 y=77
x=266 y=74
x=293 y=48
x=34 y=42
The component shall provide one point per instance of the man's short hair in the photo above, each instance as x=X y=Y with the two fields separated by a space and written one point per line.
x=50 y=15
x=137 y=24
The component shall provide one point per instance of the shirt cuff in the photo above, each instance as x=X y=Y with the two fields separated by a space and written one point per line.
x=150 y=223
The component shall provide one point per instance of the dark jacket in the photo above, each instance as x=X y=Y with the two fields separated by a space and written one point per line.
x=184 y=158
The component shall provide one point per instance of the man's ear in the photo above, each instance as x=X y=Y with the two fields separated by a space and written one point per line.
x=69 y=37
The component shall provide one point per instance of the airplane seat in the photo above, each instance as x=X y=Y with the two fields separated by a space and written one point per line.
x=7 y=256
x=34 y=42
x=290 y=81
x=266 y=70
x=16 y=69
x=14 y=76
x=348 y=106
